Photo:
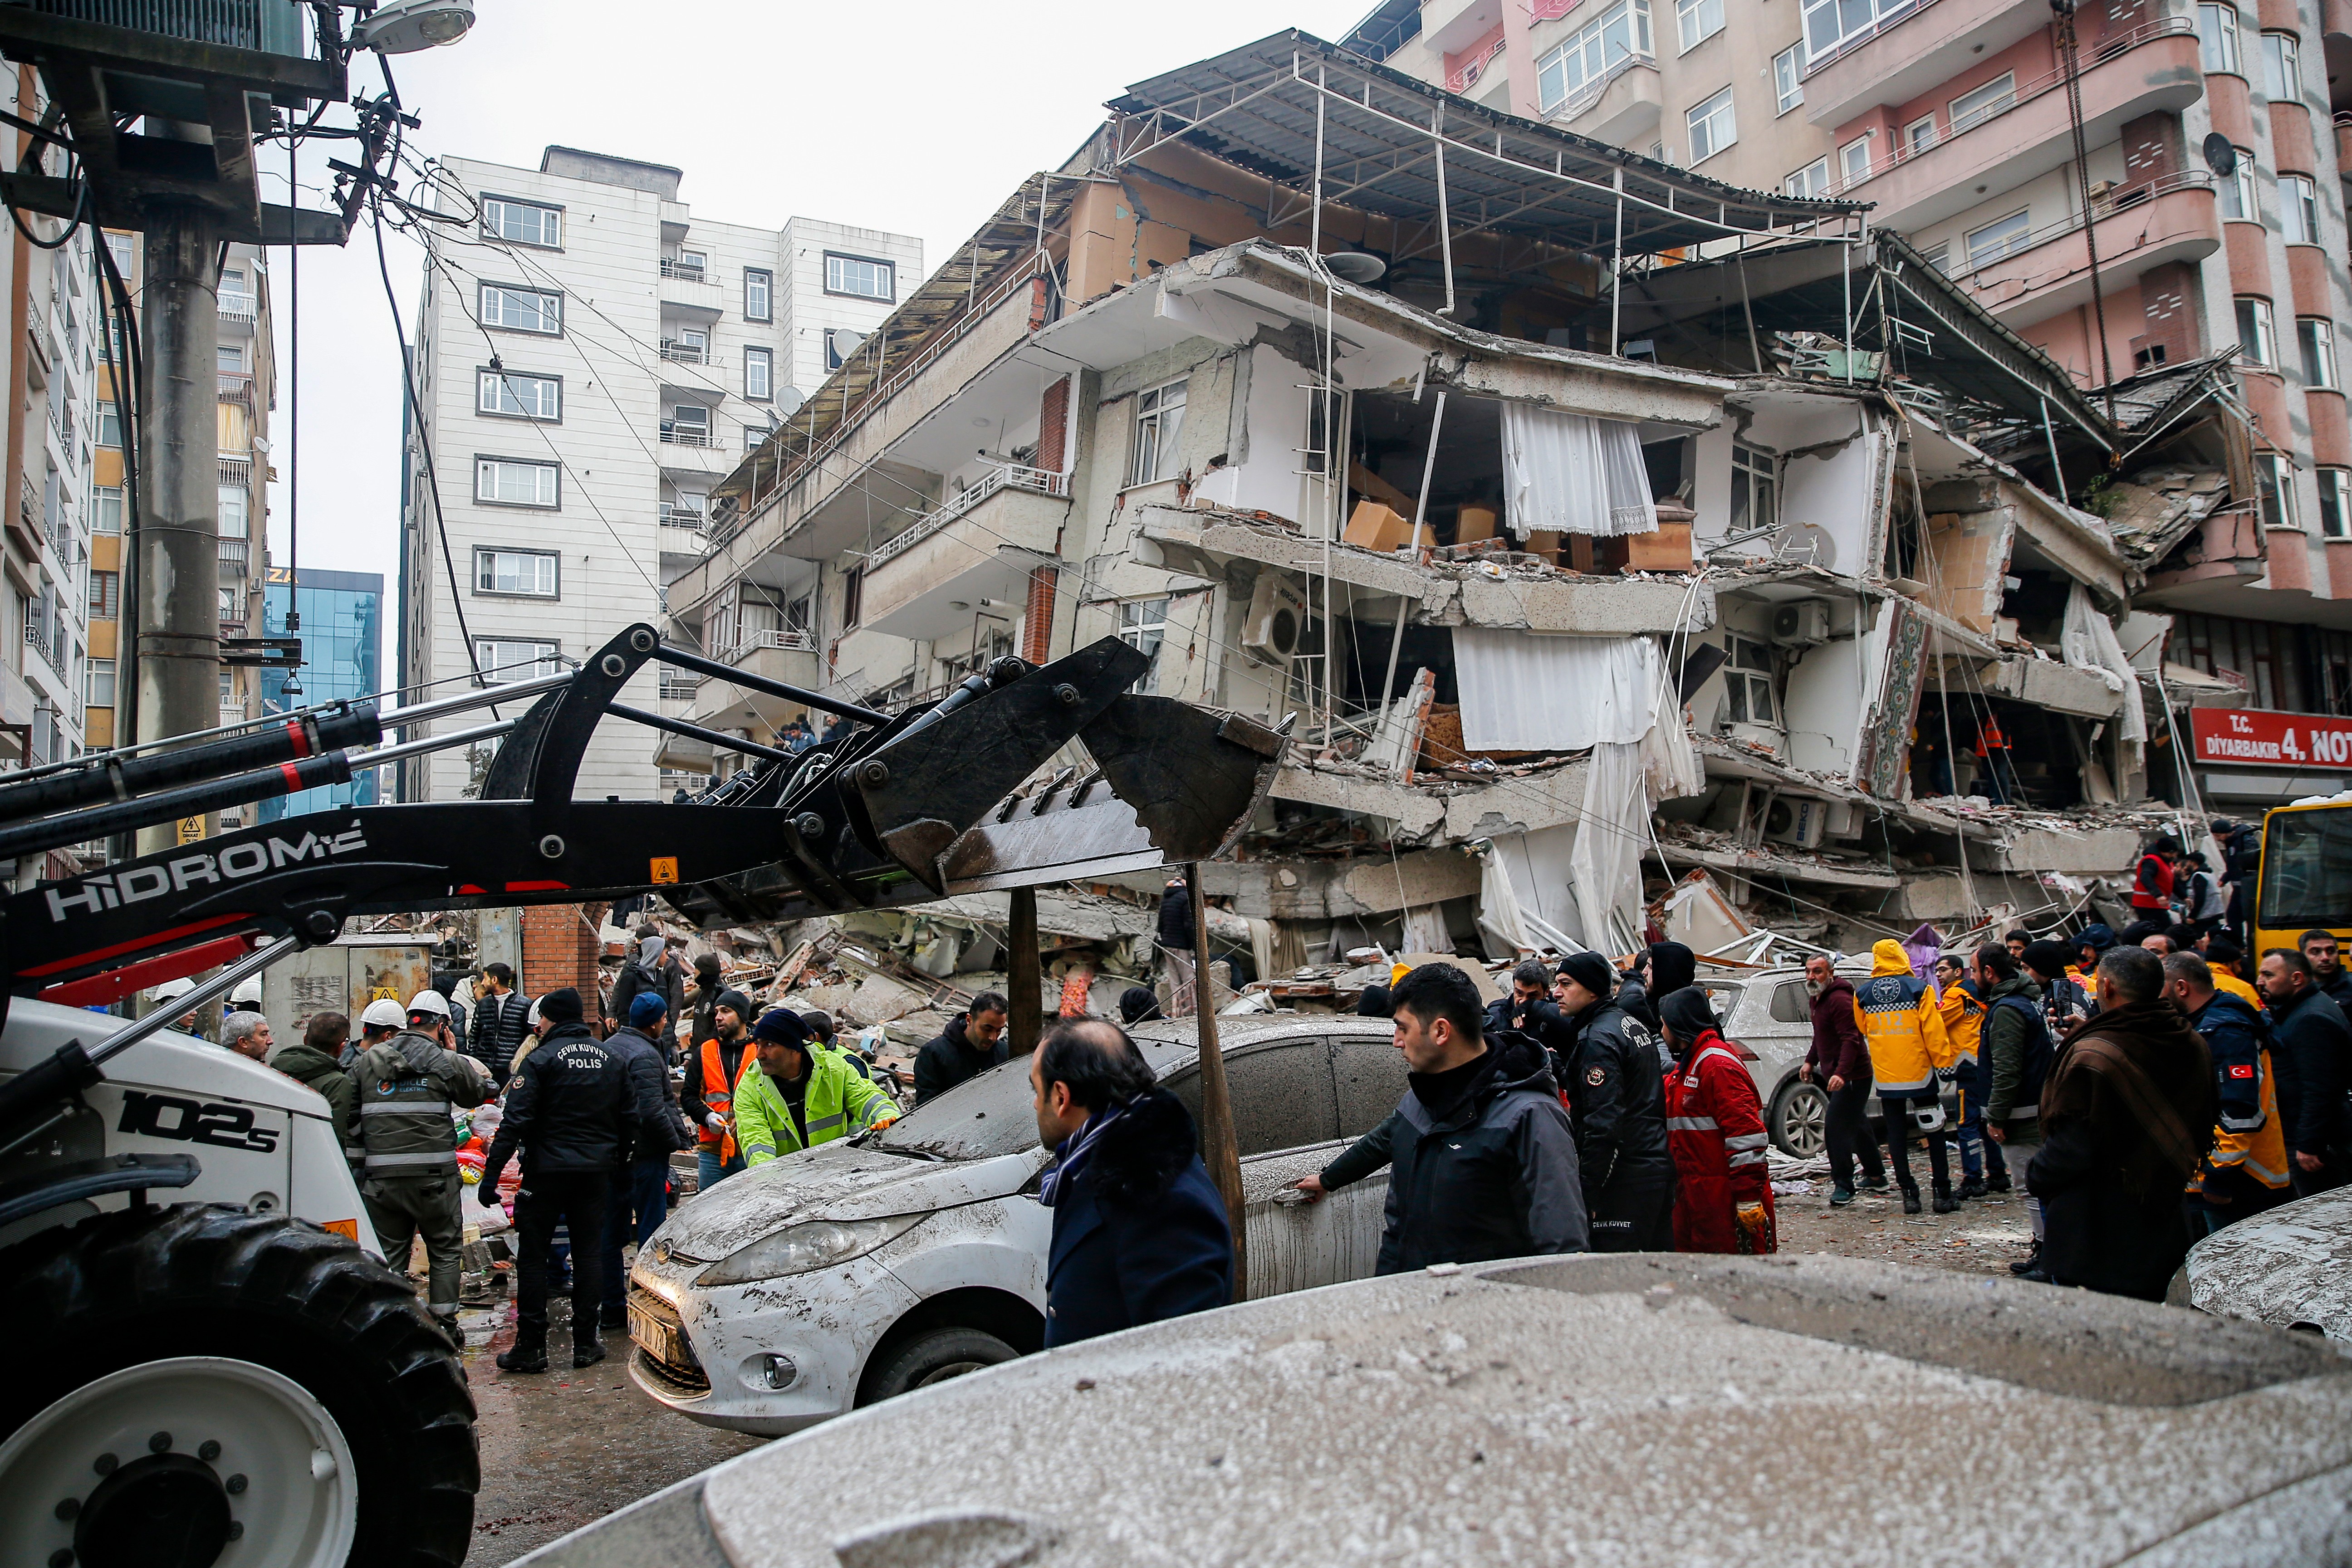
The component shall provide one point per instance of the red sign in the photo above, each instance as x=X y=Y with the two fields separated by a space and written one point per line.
x=2254 y=735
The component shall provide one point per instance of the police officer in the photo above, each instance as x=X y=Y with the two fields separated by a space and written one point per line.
x=409 y=1082
x=1617 y=1109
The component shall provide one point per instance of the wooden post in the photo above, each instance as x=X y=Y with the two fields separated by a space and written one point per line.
x=1219 y=1148
x=1026 y=1019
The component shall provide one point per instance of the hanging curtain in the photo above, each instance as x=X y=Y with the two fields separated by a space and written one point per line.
x=1499 y=928
x=1537 y=691
x=1605 y=867
x=2088 y=641
x=1567 y=473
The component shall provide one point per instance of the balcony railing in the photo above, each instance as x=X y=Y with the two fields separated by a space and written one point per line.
x=235 y=556
x=237 y=386
x=680 y=686
x=1036 y=481
x=1585 y=97
x=235 y=471
x=676 y=516
x=2123 y=200
x=2023 y=93
x=239 y=308
x=692 y=272
x=686 y=353
x=688 y=435
x=789 y=641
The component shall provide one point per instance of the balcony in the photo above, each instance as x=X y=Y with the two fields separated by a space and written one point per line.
x=1622 y=105
x=2048 y=269
x=688 y=291
x=239 y=312
x=684 y=353
x=1909 y=52
x=790 y=656
x=672 y=515
x=237 y=386
x=235 y=471
x=236 y=558
x=2147 y=69
x=981 y=546
x=2343 y=146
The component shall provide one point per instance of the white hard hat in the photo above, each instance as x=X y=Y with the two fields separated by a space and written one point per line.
x=246 y=995
x=428 y=1002
x=171 y=989
x=384 y=1011
x=532 y=1018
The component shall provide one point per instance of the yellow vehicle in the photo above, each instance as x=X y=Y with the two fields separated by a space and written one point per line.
x=2305 y=881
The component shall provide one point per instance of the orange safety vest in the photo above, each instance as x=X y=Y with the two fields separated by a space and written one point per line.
x=716 y=1090
x=1990 y=737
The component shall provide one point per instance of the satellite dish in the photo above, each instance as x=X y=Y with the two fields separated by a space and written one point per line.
x=843 y=342
x=788 y=401
x=2220 y=156
x=1356 y=266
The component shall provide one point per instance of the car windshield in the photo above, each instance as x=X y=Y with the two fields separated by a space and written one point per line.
x=987 y=1115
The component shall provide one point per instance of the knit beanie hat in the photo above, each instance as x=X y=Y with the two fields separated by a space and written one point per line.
x=705 y=966
x=647 y=1009
x=2047 y=959
x=2095 y=936
x=783 y=1026
x=560 y=1006
x=740 y=1004
x=1590 y=971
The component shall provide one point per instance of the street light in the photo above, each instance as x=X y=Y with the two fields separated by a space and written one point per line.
x=413 y=24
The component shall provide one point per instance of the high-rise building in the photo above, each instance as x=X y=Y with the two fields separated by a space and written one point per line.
x=341 y=627
x=590 y=358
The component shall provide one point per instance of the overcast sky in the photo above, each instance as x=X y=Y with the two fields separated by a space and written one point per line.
x=917 y=118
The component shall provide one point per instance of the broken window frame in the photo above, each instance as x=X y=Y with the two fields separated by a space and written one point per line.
x=1159 y=428
x=1755 y=487
x=1750 y=682
x=1142 y=624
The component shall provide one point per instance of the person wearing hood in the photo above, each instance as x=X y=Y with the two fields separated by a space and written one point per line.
x=316 y=1059
x=2091 y=944
x=693 y=1021
x=1617 y=1112
x=1908 y=1045
x=1483 y=1156
x=1714 y=1127
x=712 y=1075
x=2126 y=1116
x=652 y=969
x=1839 y=1060
x=1136 y=1005
x=406 y=1086
x=1141 y=1234
x=2245 y=1171
x=640 y=1189
x=1663 y=967
x=972 y=1042
x=803 y=1095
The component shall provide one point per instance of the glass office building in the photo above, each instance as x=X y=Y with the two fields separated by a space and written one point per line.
x=341 y=628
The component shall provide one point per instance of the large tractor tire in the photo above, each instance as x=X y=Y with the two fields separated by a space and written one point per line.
x=188 y=1377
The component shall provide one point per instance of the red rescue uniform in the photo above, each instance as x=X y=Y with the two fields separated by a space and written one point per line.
x=1714 y=1127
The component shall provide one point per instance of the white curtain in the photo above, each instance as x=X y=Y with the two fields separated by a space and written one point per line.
x=1498 y=910
x=1606 y=865
x=1575 y=475
x=1525 y=692
x=1424 y=931
x=2089 y=642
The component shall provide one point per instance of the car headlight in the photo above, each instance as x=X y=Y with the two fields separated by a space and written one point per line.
x=813 y=1244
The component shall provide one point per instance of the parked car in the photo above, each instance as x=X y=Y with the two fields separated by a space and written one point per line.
x=1768 y=1017
x=2290 y=1265
x=845 y=1274
x=1646 y=1410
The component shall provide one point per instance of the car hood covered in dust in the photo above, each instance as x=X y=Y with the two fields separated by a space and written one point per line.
x=833 y=1181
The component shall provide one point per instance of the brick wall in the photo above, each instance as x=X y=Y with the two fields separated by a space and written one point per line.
x=1054 y=425
x=2168 y=302
x=1038 y=619
x=559 y=948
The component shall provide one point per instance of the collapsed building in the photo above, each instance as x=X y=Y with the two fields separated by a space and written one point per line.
x=1617 y=549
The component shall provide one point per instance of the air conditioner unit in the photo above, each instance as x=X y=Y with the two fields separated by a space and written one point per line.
x=1796 y=820
x=1278 y=618
x=1802 y=624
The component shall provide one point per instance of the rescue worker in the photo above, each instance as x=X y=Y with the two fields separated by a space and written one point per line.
x=717 y=1068
x=1715 y=1126
x=383 y=1019
x=2245 y=1171
x=2091 y=944
x=803 y=1095
x=568 y=1109
x=1963 y=1017
x=2014 y=1046
x=407 y=1084
x=1616 y=1110
x=1906 y=1036
x=2151 y=894
x=1992 y=754
x=2222 y=956
x=316 y=1059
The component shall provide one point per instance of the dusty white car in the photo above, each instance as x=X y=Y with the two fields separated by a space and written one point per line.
x=2290 y=1265
x=846 y=1274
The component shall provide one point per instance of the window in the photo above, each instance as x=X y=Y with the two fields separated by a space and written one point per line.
x=2316 y=337
x=110 y=425
x=504 y=660
x=232 y=608
x=687 y=426
x=527 y=572
x=759 y=294
x=1142 y=624
x=1788 y=78
x=755 y=435
x=505 y=481
x=2282 y=69
x=1854 y=160
x=2255 y=338
x=758 y=374
x=522 y=309
x=106 y=516
x=231 y=358
x=2240 y=199
x=1812 y=181
x=520 y=396
x=2336 y=503
x=124 y=250
x=1831 y=23
x=1618 y=34
x=1920 y=134
x=1711 y=127
x=105 y=597
x=853 y=597
x=235 y=515
x=860 y=277
x=2000 y=238
x=1755 y=488
x=1938 y=255
x=1698 y=20
x=686 y=509
x=524 y=223
x=1159 y=419
x=2274 y=490
x=839 y=345
x=2217 y=38
x=1974 y=108
x=1748 y=683
x=234 y=299
x=2298 y=209
x=693 y=263
x=98 y=682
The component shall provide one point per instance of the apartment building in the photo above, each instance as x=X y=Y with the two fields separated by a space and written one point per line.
x=2215 y=138
x=589 y=359
x=1552 y=630
x=341 y=623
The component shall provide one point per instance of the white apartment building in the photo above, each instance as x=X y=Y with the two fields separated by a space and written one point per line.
x=590 y=359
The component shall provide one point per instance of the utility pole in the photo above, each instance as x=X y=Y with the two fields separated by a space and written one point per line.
x=1026 y=1020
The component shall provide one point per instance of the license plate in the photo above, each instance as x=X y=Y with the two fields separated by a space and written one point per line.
x=660 y=1339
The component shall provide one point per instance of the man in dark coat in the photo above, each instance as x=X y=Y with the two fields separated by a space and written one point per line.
x=2127 y=1112
x=641 y=1181
x=1617 y=1109
x=1139 y=1233
x=1839 y=1060
x=499 y=1028
x=2325 y=954
x=702 y=994
x=1529 y=1009
x=566 y=1109
x=2312 y=1049
x=1174 y=938
x=1483 y=1156
x=972 y=1042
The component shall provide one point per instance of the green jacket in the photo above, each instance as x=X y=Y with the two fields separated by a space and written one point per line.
x=407 y=1086
x=2003 y=1045
x=309 y=1065
x=839 y=1103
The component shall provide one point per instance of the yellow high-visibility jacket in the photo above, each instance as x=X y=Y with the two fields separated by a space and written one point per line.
x=839 y=1103
x=1963 y=1017
x=1901 y=1025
